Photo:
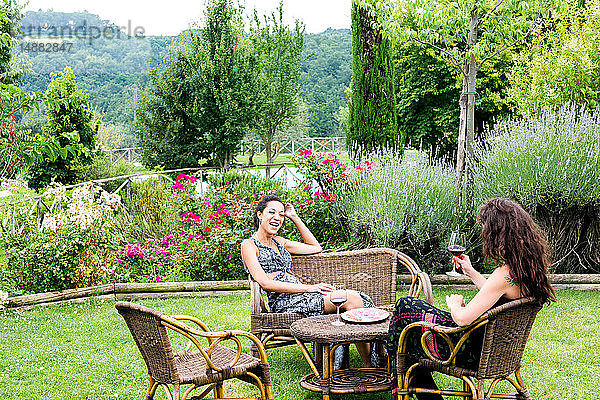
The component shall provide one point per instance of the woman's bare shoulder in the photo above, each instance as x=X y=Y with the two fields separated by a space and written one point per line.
x=248 y=244
x=282 y=241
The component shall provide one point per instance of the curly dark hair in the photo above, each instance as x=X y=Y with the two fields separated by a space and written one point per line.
x=511 y=237
x=262 y=204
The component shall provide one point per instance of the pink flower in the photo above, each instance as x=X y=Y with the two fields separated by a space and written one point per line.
x=207 y=229
x=181 y=177
x=178 y=185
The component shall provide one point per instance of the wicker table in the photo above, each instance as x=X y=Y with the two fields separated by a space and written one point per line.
x=353 y=380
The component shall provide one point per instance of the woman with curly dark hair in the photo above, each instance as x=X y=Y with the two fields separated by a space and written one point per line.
x=516 y=245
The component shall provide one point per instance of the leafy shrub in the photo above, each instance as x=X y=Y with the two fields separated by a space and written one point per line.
x=70 y=123
x=144 y=215
x=246 y=185
x=550 y=163
x=101 y=168
x=58 y=260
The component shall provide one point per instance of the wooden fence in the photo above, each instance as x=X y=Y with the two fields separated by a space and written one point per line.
x=257 y=147
x=129 y=154
x=291 y=146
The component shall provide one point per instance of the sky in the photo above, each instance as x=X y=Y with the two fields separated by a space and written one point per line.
x=172 y=16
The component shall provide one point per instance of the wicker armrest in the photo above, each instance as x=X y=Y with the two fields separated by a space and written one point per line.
x=420 y=282
x=214 y=339
x=444 y=332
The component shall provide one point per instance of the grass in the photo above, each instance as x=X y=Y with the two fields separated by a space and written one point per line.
x=86 y=352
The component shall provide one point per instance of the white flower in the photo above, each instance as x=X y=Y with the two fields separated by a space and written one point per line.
x=49 y=223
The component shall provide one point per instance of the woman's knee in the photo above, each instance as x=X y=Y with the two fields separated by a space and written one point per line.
x=354 y=300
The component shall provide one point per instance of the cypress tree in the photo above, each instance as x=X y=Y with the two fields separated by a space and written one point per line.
x=373 y=122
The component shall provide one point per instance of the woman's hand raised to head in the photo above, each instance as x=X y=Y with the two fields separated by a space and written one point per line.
x=290 y=211
x=322 y=288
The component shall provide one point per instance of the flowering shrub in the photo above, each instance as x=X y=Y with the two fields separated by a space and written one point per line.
x=58 y=260
x=73 y=247
x=13 y=186
x=203 y=245
x=84 y=209
x=550 y=163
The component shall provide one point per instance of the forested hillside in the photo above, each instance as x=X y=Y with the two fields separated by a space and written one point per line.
x=112 y=64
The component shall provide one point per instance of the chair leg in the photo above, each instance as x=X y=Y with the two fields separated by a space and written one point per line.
x=522 y=391
x=269 y=392
x=176 y=394
x=253 y=349
x=219 y=392
x=151 y=389
x=480 y=389
x=467 y=388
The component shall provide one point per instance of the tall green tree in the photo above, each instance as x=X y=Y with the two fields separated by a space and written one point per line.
x=469 y=33
x=10 y=16
x=562 y=64
x=277 y=51
x=197 y=108
x=373 y=120
x=426 y=93
x=70 y=125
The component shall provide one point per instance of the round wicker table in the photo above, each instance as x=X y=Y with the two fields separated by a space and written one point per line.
x=327 y=338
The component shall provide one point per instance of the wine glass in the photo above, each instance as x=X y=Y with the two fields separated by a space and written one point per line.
x=455 y=246
x=338 y=298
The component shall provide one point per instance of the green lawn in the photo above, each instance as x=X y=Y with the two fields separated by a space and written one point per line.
x=86 y=352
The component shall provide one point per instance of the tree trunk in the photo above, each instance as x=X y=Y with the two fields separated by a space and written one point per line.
x=269 y=154
x=466 y=132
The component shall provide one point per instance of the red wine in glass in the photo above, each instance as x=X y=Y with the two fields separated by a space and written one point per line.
x=455 y=248
x=338 y=298
x=338 y=302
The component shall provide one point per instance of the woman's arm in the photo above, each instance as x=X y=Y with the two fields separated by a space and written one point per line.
x=464 y=262
x=310 y=245
x=250 y=259
x=495 y=286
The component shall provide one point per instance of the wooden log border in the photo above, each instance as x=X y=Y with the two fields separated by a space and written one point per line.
x=163 y=290
x=559 y=281
x=133 y=291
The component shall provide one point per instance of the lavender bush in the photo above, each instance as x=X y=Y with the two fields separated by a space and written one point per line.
x=405 y=204
x=550 y=163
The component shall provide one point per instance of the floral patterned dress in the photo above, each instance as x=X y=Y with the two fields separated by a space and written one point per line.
x=309 y=304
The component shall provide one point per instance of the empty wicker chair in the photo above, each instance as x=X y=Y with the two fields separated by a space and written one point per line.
x=196 y=365
x=372 y=271
x=506 y=327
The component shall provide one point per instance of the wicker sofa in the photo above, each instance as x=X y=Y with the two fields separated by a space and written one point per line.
x=372 y=271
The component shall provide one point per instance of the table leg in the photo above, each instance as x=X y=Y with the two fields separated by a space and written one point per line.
x=326 y=372
x=311 y=363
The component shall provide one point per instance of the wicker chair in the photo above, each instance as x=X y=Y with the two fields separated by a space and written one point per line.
x=506 y=330
x=372 y=271
x=204 y=367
